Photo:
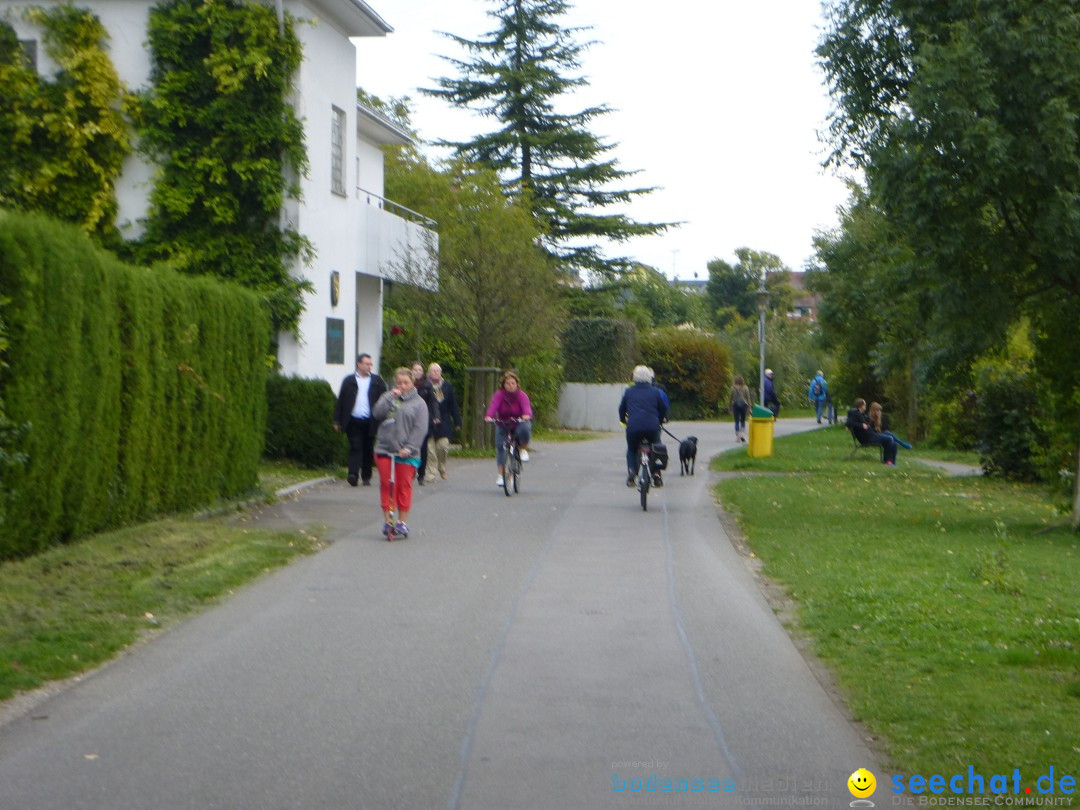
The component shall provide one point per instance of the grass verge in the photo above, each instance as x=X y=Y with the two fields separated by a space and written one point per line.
x=951 y=623
x=276 y=475
x=542 y=434
x=74 y=607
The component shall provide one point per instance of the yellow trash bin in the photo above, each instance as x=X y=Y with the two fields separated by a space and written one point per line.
x=761 y=433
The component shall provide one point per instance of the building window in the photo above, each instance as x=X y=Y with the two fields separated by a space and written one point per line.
x=337 y=151
x=335 y=341
x=29 y=49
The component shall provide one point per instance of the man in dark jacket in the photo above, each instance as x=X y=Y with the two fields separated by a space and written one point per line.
x=359 y=392
x=447 y=418
x=642 y=409
x=863 y=431
x=771 y=401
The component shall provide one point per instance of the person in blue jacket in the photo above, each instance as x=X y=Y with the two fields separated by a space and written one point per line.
x=818 y=393
x=642 y=408
x=771 y=400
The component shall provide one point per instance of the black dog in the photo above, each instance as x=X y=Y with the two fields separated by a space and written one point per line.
x=688 y=455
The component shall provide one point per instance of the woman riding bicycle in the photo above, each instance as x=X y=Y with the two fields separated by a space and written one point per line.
x=642 y=409
x=509 y=404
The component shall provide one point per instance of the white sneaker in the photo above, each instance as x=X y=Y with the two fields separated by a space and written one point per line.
x=524 y=455
x=499 y=481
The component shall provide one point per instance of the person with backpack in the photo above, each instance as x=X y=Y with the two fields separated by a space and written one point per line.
x=818 y=393
x=739 y=403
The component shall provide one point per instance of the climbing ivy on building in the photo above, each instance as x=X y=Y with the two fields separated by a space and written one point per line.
x=228 y=146
x=64 y=137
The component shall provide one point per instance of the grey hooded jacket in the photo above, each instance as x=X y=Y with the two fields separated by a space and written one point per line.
x=404 y=423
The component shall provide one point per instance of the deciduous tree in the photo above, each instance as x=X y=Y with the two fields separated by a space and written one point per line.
x=963 y=116
x=496 y=293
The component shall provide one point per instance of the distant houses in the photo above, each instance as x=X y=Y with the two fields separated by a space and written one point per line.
x=805 y=306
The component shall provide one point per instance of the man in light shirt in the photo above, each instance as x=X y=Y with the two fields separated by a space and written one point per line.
x=359 y=392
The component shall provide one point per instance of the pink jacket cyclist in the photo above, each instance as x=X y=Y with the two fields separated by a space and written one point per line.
x=509 y=403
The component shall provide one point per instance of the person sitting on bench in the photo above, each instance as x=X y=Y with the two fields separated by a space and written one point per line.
x=879 y=423
x=859 y=425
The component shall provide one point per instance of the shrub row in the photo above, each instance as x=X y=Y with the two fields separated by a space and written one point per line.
x=298 y=422
x=599 y=350
x=143 y=391
x=693 y=368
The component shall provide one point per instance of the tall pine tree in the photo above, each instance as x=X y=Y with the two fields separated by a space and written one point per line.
x=516 y=75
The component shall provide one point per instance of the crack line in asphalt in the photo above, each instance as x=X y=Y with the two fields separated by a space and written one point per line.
x=489 y=675
x=695 y=675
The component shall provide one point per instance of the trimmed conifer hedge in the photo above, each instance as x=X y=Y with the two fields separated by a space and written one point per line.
x=299 y=422
x=143 y=391
x=599 y=350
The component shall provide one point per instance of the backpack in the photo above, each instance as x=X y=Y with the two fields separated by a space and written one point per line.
x=817 y=389
x=737 y=397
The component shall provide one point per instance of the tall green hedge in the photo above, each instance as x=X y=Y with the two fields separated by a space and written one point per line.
x=9 y=432
x=143 y=391
x=299 y=420
x=599 y=350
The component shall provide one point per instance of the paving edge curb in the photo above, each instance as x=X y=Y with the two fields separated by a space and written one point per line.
x=295 y=488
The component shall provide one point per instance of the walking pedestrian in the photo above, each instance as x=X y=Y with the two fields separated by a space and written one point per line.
x=358 y=394
x=423 y=388
x=772 y=402
x=818 y=394
x=739 y=401
x=447 y=418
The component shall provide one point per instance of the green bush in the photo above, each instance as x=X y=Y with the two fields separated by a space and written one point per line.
x=1010 y=438
x=143 y=392
x=954 y=423
x=299 y=414
x=542 y=377
x=599 y=350
x=692 y=367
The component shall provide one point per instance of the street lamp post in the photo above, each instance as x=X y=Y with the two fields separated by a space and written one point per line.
x=762 y=305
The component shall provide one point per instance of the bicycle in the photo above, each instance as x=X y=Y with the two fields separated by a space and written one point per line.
x=513 y=465
x=644 y=474
x=652 y=460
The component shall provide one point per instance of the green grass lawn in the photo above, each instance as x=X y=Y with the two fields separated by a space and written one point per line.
x=76 y=606
x=950 y=618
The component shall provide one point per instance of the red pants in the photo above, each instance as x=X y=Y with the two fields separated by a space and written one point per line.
x=403 y=479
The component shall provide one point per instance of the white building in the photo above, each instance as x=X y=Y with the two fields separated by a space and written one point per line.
x=361 y=240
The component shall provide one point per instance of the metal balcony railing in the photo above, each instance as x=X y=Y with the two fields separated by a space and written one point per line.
x=394 y=208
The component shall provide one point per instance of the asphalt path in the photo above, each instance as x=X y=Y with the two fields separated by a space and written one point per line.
x=557 y=649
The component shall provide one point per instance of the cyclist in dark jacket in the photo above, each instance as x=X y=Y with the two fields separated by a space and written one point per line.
x=642 y=409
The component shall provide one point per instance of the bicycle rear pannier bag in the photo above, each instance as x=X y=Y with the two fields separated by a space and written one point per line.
x=659 y=456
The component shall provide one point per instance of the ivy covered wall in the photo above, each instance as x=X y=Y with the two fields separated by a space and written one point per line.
x=215 y=122
x=66 y=137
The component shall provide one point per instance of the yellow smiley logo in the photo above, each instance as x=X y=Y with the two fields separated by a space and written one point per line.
x=862 y=783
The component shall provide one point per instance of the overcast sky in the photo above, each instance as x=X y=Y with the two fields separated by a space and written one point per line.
x=719 y=104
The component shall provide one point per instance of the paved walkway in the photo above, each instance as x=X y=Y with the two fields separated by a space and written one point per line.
x=558 y=649
x=952 y=468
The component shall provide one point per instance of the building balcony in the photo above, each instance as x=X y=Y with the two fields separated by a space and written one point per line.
x=396 y=243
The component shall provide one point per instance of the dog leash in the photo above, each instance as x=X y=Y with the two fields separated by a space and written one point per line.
x=672 y=435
